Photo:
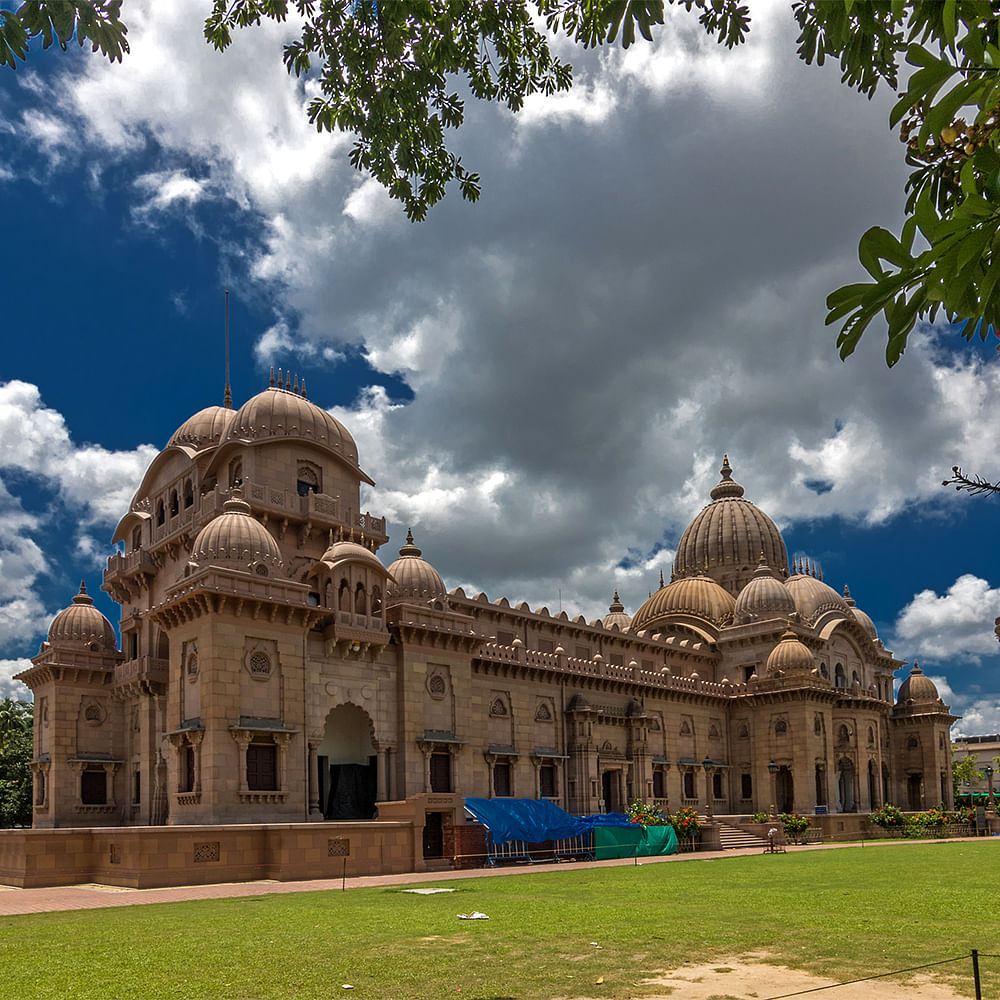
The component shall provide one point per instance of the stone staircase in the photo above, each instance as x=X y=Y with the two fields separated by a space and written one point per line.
x=733 y=837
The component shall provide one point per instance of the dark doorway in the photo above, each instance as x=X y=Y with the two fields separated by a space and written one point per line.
x=433 y=835
x=353 y=788
x=609 y=790
x=872 y=787
x=913 y=786
x=785 y=790
x=820 y=785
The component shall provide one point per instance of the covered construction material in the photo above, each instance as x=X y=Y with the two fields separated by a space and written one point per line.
x=514 y=825
x=633 y=841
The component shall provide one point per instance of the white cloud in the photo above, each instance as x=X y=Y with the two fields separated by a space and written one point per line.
x=167 y=188
x=958 y=623
x=980 y=717
x=92 y=487
x=10 y=688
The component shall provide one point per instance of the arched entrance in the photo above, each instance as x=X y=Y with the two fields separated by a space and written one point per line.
x=784 y=790
x=846 y=802
x=872 y=786
x=348 y=775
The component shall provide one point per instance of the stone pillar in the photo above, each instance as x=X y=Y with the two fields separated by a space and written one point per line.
x=313 y=782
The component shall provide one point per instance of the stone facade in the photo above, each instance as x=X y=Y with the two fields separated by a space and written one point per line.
x=274 y=670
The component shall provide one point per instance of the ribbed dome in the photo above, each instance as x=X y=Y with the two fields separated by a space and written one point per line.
x=235 y=539
x=205 y=428
x=83 y=625
x=725 y=540
x=863 y=620
x=616 y=614
x=694 y=595
x=352 y=552
x=918 y=688
x=763 y=598
x=281 y=413
x=790 y=656
x=415 y=578
x=813 y=597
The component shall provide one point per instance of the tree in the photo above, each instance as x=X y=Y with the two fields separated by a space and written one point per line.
x=15 y=763
x=384 y=72
x=965 y=770
x=95 y=21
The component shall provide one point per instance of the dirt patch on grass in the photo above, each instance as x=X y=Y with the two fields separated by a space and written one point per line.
x=748 y=978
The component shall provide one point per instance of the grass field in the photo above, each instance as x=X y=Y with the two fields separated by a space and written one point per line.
x=844 y=913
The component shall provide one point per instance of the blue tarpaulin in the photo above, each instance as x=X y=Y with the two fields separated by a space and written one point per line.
x=535 y=820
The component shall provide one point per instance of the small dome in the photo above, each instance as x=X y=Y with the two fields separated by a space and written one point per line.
x=813 y=597
x=352 y=552
x=763 y=598
x=918 y=688
x=863 y=620
x=726 y=538
x=415 y=578
x=616 y=615
x=790 y=656
x=81 y=624
x=282 y=413
x=700 y=596
x=235 y=539
x=207 y=427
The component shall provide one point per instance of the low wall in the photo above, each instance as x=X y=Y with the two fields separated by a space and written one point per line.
x=157 y=856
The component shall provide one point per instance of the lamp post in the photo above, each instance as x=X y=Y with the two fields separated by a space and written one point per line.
x=707 y=765
x=988 y=771
x=772 y=769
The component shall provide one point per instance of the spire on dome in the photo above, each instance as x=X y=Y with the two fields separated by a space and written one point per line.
x=727 y=486
x=83 y=597
x=409 y=549
x=272 y=377
x=616 y=606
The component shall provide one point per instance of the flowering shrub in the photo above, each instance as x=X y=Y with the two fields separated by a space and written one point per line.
x=962 y=814
x=647 y=815
x=685 y=822
x=760 y=818
x=889 y=817
x=794 y=824
x=933 y=818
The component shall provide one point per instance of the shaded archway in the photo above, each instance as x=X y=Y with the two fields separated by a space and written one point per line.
x=348 y=775
x=914 y=792
x=785 y=790
x=846 y=801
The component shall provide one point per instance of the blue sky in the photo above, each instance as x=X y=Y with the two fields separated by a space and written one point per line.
x=543 y=384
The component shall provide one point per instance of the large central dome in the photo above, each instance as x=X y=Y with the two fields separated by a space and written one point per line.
x=727 y=539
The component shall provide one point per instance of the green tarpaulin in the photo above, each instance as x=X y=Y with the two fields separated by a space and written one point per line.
x=633 y=841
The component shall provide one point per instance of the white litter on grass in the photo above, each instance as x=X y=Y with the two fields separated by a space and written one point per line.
x=474 y=915
x=426 y=892
x=594 y=944
x=347 y=986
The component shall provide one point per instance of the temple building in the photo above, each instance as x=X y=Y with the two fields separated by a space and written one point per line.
x=276 y=667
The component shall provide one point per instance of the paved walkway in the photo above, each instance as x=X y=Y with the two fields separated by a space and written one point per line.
x=14 y=901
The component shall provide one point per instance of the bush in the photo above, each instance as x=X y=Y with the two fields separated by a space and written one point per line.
x=889 y=817
x=647 y=815
x=760 y=818
x=685 y=822
x=794 y=824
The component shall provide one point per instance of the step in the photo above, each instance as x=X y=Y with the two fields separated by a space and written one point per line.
x=732 y=837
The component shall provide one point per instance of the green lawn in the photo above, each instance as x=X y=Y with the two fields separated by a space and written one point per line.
x=844 y=913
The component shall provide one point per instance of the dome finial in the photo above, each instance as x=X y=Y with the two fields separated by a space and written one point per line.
x=661 y=579
x=279 y=377
x=272 y=377
x=304 y=396
x=616 y=607
x=288 y=379
x=409 y=549
x=727 y=486
x=83 y=586
x=295 y=388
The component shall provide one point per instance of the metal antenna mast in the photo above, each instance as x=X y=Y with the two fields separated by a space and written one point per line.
x=228 y=401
